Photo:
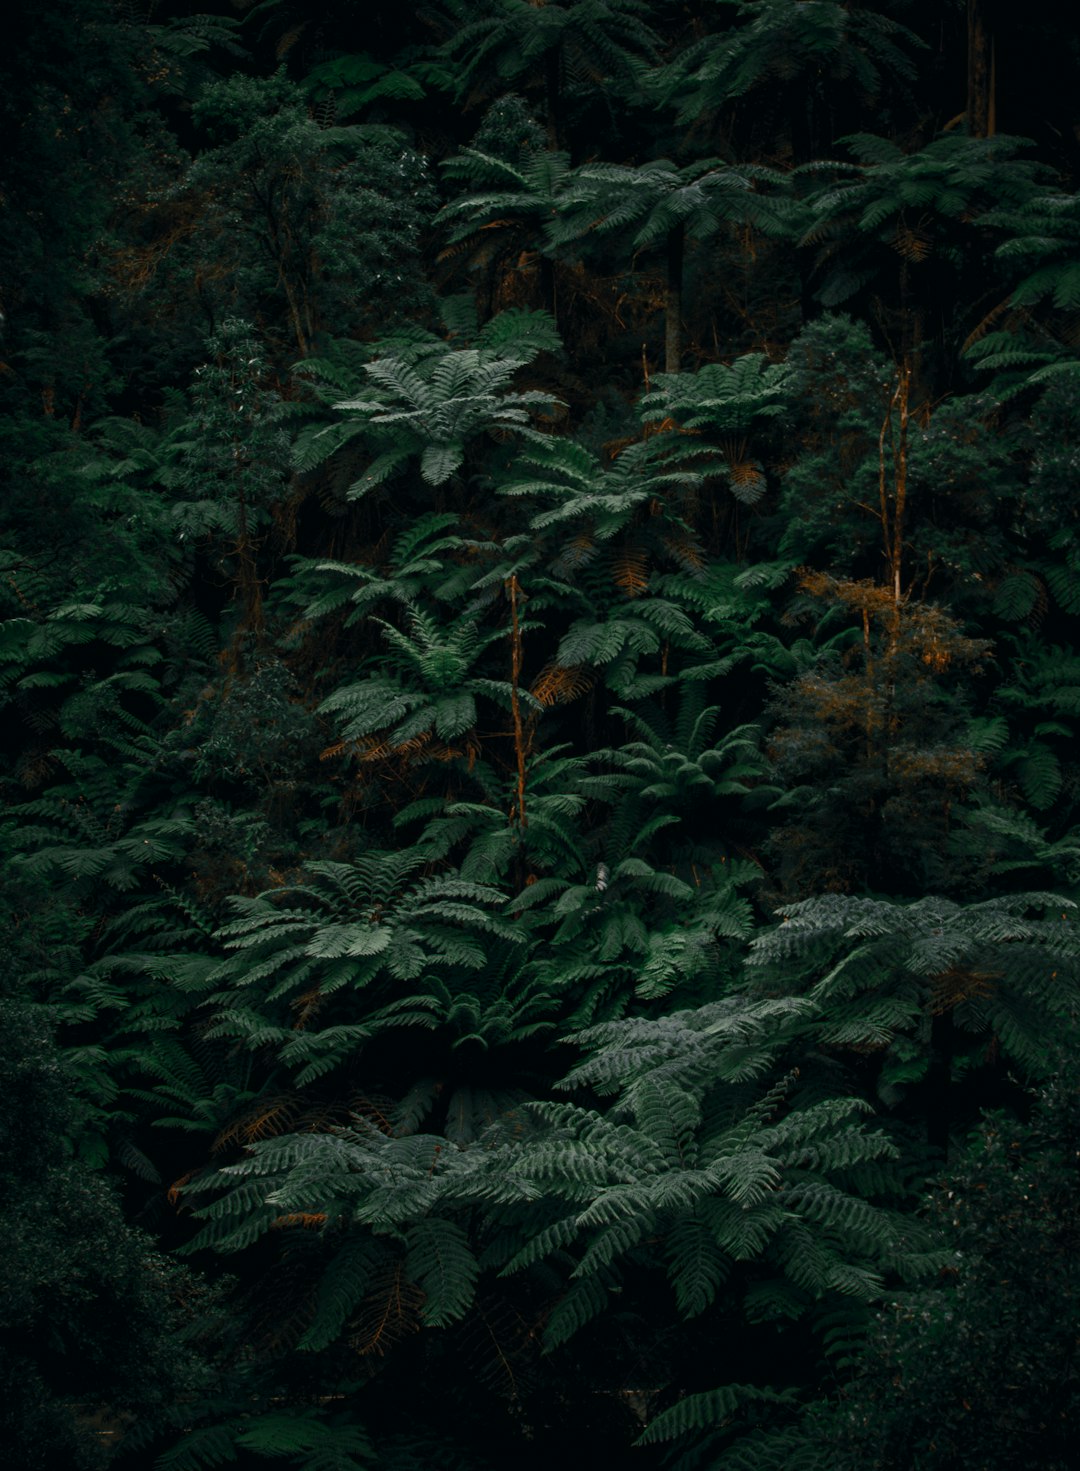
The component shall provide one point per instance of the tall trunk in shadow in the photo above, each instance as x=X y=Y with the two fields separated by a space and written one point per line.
x=981 y=121
x=800 y=123
x=549 y=296
x=552 y=78
x=939 y=1081
x=676 y=252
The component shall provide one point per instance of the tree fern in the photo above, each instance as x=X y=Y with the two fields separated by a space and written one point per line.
x=433 y=408
x=430 y=686
x=607 y=38
x=777 y=41
x=1002 y=969
x=307 y=1438
x=487 y=845
x=439 y=1260
x=302 y=956
x=507 y=211
x=659 y=201
x=952 y=180
x=705 y=1165
x=727 y=403
x=712 y=1408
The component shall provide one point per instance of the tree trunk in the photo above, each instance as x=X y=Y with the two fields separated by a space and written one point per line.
x=676 y=249
x=513 y=589
x=247 y=571
x=548 y=294
x=981 y=122
x=552 y=78
x=295 y=314
x=939 y=1081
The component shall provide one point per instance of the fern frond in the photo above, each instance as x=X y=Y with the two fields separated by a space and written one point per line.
x=713 y=1408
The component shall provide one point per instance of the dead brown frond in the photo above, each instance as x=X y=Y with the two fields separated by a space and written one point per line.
x=1041 y=604
x=913 y=242
x=630 y=570
x=747 y=478
x=576 y=554
x=1003 y=308
x=453 y=250
x=558 y=684
x=367 y=748
x=414 y=746
x=499 y=1348
x=35 y=767
x=176 y=1189
x=265 y=1120
x=959 y=984
x=374 y=1109
x=307 y=1220
x=685 y=550
x=667 y=425
x=306 y=1006
x=338 y=748
x=440 y=751
x=288 y=40
x=389 y=1313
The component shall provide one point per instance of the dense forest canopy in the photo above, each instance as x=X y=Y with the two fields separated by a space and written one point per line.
x=540 y=576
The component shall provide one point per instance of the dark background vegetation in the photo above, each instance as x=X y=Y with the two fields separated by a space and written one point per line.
x=540 y=564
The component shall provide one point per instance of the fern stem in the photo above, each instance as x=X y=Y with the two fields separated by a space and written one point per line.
x=892 y=522
x=676 y=245
x=513 y=587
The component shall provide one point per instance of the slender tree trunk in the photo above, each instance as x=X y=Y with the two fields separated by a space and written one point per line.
x=552 y=78
x=676 y=250
x=892 y=508
x=548 y=294
x=808 y=308
x=802 y=152
x=981 y=122
x=513 y=589
x=295 y=314
x=248 y=572
x=280 y=246
x=552 y=84
x=939 y=1080
x=800 y=121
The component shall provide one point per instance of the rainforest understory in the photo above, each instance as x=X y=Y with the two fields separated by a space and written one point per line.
x=540 y=590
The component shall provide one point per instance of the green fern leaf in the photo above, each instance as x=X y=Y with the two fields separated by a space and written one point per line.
x=712 y=1409
x=440 y=1261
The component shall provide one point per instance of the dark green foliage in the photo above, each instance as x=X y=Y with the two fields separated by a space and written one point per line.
x=90 y=1308
x=300 y=212
x=534 y=864
x=549 y=48
x=812 y=53
x=900 y=978
x=870 y=752
x=348 y=85
x=975 y=1370
x=503 y=219
x=912 y=203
